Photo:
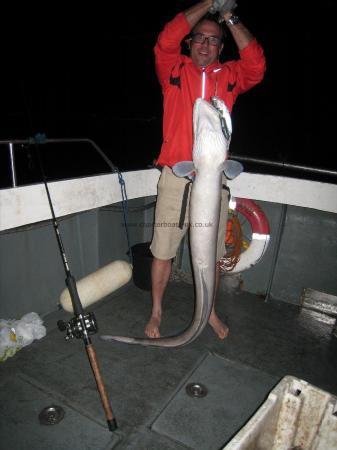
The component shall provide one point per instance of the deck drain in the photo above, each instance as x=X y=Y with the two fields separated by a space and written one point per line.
x=51 y=415
x=197 y=390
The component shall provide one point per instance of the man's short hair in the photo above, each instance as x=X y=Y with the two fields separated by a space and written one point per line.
x=210 y=18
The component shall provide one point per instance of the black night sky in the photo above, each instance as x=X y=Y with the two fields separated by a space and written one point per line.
x=88 y=72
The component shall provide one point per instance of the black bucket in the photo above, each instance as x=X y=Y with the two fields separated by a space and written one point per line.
x=142 y=262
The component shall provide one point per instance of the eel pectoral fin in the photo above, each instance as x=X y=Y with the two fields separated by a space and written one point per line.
x=232 y=168
x=184 y=169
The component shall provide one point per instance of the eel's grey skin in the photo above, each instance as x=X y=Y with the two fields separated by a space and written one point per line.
x=210 y=152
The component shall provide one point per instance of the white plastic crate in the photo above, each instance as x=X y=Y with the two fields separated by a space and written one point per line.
x=295 y=416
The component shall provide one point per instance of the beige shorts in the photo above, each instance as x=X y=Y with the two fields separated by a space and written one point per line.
x=167 y=235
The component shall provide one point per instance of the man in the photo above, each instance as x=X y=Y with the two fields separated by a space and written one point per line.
x=184 y=79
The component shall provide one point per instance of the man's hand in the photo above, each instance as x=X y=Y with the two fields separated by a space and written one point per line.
x=222 y=6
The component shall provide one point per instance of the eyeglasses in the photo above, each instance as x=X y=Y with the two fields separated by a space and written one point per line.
x=200 y=38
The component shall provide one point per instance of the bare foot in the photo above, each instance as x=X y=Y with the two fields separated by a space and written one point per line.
x=219 y=328
x=152 y=327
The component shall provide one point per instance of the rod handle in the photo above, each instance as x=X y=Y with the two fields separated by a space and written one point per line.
x=112 y=424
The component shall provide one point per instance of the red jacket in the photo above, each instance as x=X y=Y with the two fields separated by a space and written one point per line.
x=181 y=83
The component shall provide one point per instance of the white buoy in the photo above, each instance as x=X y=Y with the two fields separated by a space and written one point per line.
x=98 y=284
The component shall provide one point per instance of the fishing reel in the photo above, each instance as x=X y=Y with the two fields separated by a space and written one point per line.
x=79 y=326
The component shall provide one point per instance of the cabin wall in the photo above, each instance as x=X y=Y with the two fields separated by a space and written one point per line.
x=301 y=254
x=308 y=254
x=113 y=242
x=32 y=274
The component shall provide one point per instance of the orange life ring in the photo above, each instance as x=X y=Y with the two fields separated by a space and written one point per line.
x=260 y=234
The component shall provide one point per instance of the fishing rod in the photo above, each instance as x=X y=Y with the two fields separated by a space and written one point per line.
x=83 y=325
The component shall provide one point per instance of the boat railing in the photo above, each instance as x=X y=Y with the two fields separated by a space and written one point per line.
x=41 y=139
x=286 y=165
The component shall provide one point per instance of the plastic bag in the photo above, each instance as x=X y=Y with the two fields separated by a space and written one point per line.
x=16 y=334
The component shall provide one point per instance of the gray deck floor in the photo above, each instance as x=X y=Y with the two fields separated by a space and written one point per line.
x=146 y=386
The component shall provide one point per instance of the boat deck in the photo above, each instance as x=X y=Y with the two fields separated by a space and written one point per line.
x=147 y=385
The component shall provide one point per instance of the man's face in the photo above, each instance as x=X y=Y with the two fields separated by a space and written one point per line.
x=204 y=53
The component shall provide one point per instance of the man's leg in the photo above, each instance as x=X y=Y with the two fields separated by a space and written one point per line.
x=160 y=272
x=220 y=328
x=166 y=240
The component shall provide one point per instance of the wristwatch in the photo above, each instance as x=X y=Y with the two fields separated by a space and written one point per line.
x=233 y=20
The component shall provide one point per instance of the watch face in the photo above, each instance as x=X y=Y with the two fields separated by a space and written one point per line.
x=233 y=20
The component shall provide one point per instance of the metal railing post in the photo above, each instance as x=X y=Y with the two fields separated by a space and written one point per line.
x=12 y=163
